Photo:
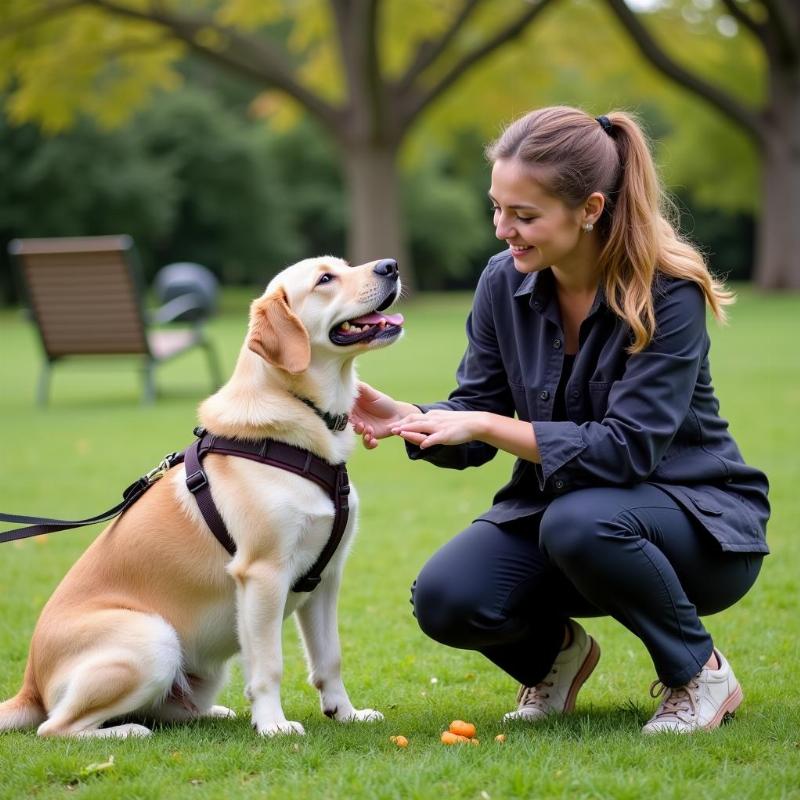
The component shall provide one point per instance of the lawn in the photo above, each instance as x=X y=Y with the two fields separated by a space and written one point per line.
x=73 y=458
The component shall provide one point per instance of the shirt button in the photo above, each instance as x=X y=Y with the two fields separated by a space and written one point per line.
x=557 y=344
x=544 y=395
x=559 y=484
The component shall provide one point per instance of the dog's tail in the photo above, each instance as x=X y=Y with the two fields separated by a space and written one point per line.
x=25 y=710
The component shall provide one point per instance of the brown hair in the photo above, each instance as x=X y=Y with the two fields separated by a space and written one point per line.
x=576 y=155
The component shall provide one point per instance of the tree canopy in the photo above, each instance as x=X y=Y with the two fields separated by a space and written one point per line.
x=378 y=74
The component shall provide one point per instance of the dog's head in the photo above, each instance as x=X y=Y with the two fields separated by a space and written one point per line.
x=325 y=304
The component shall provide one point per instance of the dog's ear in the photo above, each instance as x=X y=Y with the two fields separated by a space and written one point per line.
x=278 y=335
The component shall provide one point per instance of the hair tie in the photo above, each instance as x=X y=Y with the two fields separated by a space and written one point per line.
x=606 y=124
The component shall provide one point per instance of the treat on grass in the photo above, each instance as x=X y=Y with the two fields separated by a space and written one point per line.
x=461 y=728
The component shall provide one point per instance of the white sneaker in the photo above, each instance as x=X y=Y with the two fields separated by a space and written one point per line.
x=708 y=700
x=556 y=694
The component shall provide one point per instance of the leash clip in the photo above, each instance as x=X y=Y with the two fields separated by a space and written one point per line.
x=161 y=470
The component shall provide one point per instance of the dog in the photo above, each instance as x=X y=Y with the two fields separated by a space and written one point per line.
x=143 y=625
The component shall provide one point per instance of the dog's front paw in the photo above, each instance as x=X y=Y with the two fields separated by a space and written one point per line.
x=282 y=728
x=359 y=715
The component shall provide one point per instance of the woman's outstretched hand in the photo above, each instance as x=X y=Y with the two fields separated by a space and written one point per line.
x=374 y=413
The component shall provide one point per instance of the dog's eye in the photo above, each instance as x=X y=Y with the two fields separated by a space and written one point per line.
x=325 y=278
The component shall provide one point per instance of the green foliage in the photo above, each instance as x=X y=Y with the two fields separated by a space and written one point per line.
x=577 y=54
x=186 y=178
x=229 y=213
x=447 y=226
x=80 y=62
x=191 y=179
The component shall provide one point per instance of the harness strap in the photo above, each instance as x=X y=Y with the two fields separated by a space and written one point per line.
x=331 y=478
x=197 y=484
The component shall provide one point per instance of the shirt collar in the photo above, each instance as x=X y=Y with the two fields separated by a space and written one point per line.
x=540 y=287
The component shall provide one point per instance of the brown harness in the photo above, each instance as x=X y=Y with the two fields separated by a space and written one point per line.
x=332 y=478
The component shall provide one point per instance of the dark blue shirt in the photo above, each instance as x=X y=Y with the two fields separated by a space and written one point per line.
x=649 y=417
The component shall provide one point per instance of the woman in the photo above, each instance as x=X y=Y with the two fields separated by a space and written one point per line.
x=629 y=497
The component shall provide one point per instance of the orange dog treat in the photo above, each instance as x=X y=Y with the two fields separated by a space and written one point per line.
x=453 y=738
x=461 y=728
x=400 y=741
x=501 y=737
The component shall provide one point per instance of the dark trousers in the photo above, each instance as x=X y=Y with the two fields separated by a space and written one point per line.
x=629 y=553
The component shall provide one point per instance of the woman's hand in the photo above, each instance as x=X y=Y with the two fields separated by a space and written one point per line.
x=374 y=414
x=442 y=427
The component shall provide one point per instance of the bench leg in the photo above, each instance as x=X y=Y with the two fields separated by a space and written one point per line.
x=43 y=388
x=149 y=395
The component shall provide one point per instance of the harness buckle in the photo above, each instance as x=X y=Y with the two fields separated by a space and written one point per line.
x=196 y=481
x=342 y=483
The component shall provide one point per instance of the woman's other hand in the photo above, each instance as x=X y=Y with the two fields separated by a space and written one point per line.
x=441 y=427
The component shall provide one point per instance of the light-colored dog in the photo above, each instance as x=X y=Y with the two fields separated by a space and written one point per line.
x=145 y=622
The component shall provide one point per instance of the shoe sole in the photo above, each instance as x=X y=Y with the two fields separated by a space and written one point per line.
x=587 y=668
x=727 y=710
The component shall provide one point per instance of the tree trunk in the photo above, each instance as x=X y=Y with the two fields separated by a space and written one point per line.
x=778 y=241
x=375 y=228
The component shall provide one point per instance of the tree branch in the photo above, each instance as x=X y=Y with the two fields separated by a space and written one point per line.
x=430 y=50
x=249 y=56
x=720 y=99
x=784 y=28
x=744 y=19
x=516 y=28
x=357 y=31
x=35 y=18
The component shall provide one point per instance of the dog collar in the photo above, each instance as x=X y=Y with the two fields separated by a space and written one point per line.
x=334 y=422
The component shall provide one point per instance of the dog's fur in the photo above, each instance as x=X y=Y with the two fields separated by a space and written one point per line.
x=144 y=623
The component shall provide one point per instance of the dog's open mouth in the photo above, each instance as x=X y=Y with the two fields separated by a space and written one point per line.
x=367 y=328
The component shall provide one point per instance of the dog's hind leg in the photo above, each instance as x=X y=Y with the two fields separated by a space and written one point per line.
x=319 y=628
x=132 y=673
x=193 y=697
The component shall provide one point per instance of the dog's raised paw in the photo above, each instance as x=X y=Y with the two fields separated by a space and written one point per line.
x=361 y=715
x=285 y=728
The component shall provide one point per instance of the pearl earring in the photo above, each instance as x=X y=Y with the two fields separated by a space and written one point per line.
x=588 y=227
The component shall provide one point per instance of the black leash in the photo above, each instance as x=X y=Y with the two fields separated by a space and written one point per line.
x=37 y=526
x=331 y=478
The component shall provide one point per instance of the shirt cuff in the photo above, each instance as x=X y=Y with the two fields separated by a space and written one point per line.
x=558 y=443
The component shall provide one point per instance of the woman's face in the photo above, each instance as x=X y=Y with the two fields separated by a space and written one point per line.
x=539 y=228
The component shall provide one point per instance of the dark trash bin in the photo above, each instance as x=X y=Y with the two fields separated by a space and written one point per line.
x=187 y=292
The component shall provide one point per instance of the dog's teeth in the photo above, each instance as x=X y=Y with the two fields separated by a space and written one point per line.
x=345 y=326
x=382 y=324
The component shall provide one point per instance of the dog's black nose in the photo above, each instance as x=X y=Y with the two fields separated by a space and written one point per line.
x=386 y=267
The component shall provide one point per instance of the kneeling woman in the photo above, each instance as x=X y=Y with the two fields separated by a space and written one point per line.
x=629 y=497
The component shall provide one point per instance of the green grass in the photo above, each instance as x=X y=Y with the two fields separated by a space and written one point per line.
x=73 y=458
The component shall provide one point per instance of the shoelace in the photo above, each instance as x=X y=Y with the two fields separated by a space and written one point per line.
x=680 y=702
x=533 y=696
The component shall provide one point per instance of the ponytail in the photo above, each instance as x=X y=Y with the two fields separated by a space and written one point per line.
x=642 y=241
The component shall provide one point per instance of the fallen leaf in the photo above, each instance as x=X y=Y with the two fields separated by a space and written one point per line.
x=91 y=769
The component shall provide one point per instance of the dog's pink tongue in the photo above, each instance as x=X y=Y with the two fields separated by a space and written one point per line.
x=375 y=318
